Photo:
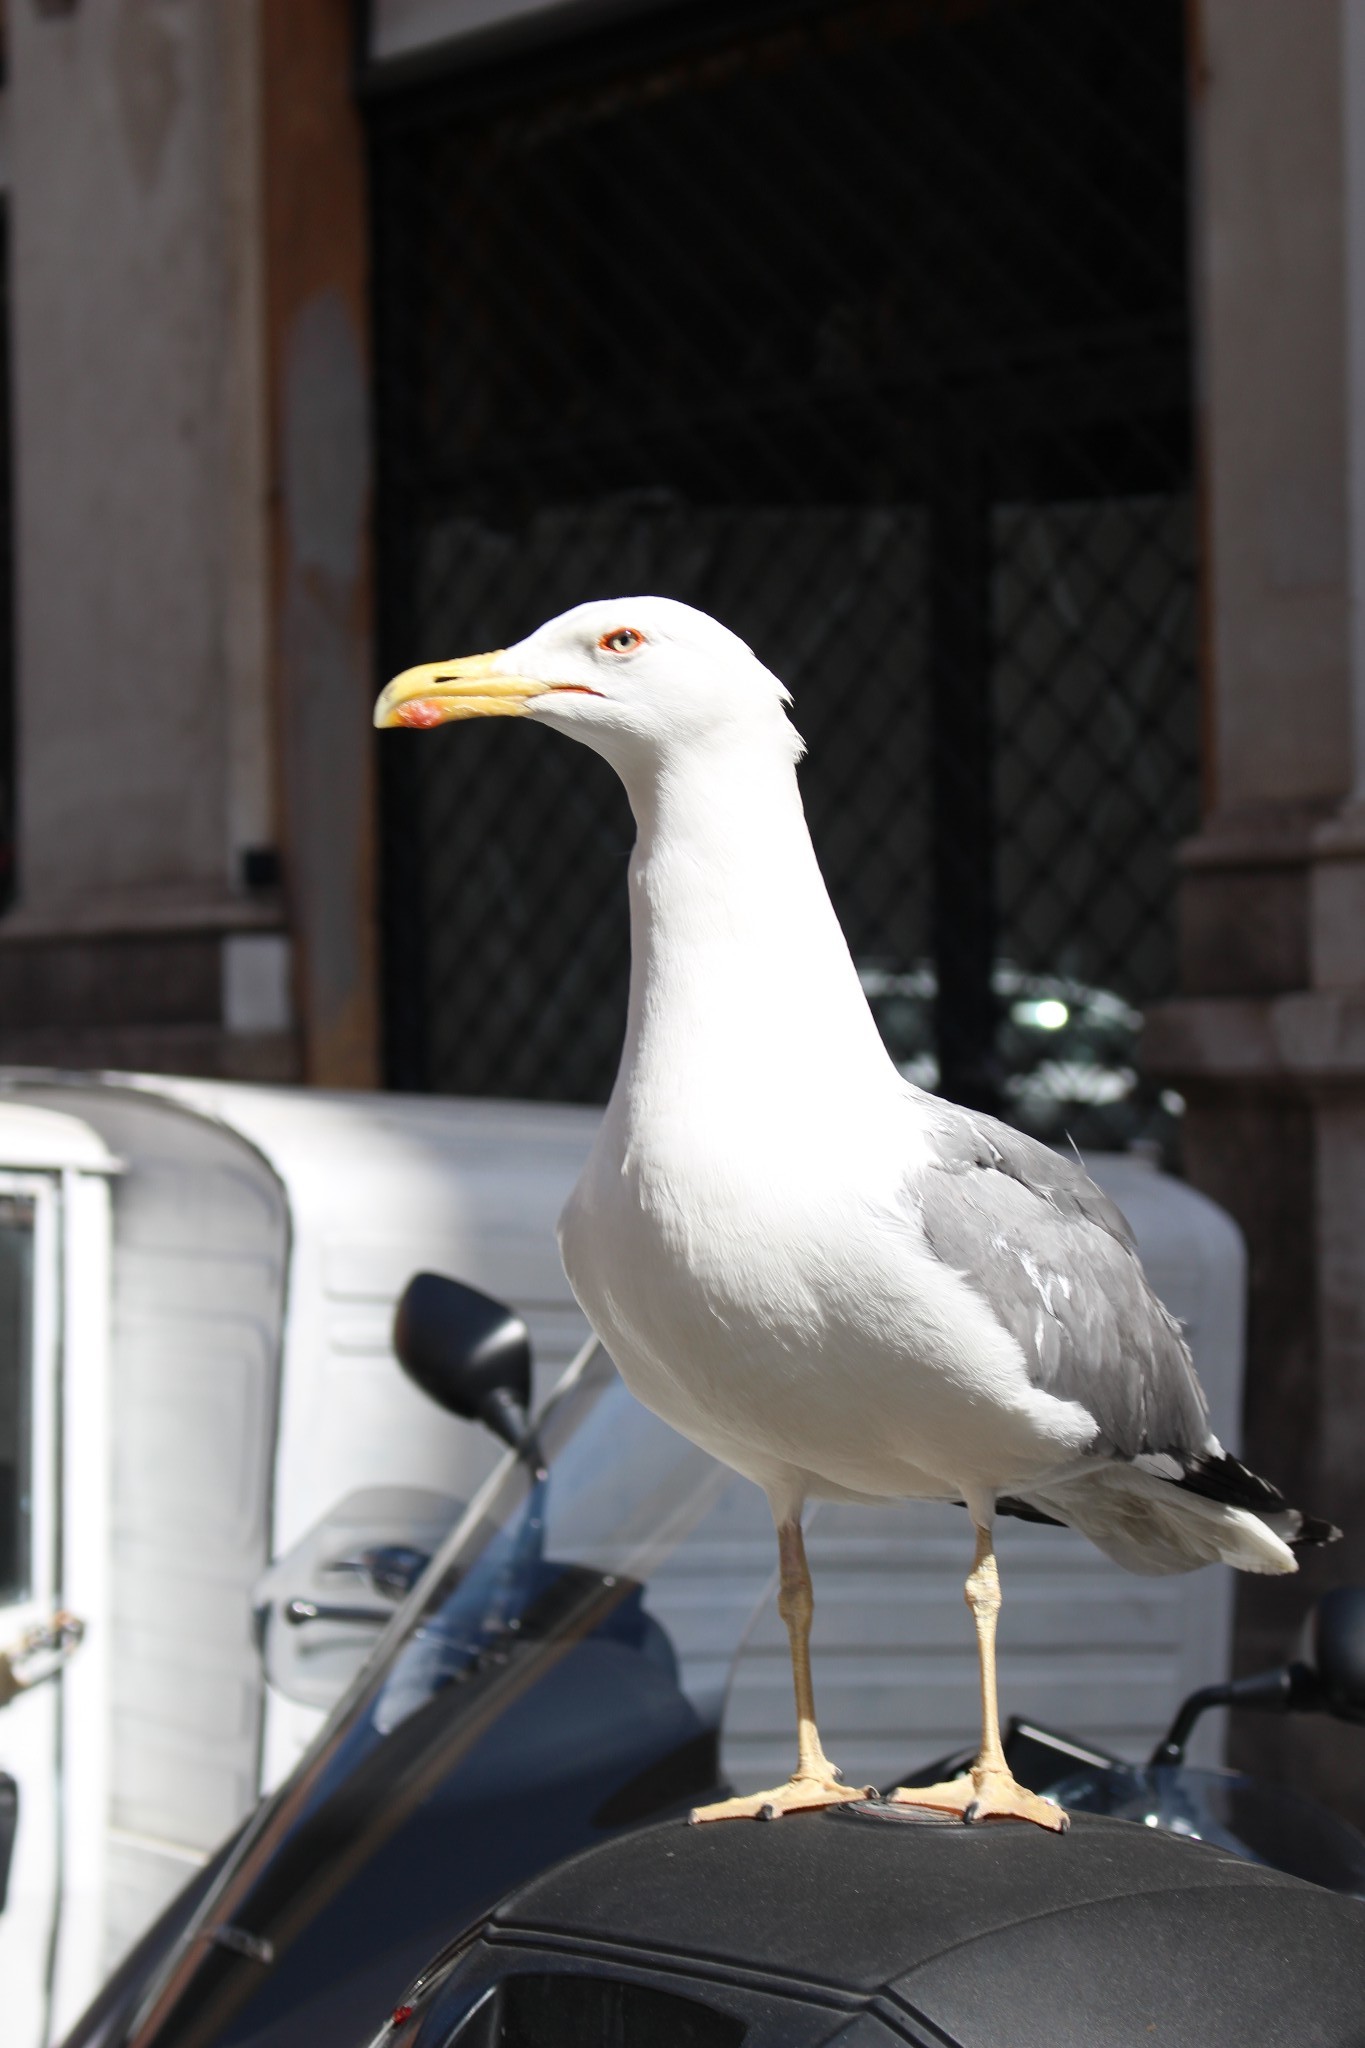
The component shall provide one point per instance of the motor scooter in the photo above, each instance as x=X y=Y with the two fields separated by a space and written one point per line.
x=523 y=1703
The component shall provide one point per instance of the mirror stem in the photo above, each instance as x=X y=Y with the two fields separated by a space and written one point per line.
x=1289 y=1688
x=506 y=1417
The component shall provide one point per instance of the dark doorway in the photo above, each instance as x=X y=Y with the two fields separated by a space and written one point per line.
x=864 y=328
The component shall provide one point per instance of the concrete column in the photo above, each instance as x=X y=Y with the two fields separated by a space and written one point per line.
x=1337 y=910
x=1267 y=1042
x=1270 y=310
x=317 y=355
x=1353 y=133
x=145 y=762
x=191 y=531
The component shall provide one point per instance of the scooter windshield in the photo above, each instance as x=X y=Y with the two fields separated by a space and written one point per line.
x=532 y=1696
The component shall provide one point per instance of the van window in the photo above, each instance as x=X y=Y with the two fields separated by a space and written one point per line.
x=16 y=1394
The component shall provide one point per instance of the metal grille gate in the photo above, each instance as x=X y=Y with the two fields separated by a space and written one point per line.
x=864 y=328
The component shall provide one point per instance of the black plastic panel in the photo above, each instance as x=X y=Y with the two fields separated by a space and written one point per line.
x=1226 y=1968
x=852 y=1902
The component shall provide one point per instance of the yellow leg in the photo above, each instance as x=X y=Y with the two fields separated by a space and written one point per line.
x=983 y=1598
x=815 y=1781
x=989 y=1790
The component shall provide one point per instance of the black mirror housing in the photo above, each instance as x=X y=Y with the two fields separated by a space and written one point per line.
x=469 y=1353
x=1338 y=1637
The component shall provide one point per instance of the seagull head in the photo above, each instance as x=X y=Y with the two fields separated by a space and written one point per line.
x=638 y=679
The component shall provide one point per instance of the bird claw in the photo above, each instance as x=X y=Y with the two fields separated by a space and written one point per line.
x=984 y=1794
x=798 y=1795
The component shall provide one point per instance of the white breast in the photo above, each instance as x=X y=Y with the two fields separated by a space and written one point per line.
x=796 y=1320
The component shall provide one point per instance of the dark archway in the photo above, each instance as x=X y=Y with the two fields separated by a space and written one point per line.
x=865 y=328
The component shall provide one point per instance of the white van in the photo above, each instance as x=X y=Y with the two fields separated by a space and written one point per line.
x=197 y=1283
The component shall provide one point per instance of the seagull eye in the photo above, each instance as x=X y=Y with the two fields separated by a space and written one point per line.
x=621 y=640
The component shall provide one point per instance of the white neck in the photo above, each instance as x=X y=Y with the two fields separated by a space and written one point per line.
x=741 y=982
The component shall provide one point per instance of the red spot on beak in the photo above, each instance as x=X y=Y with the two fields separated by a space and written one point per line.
x=421 y=712
x=400 y=2014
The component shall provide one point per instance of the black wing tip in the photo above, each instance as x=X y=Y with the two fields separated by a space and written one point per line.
x=1232 y=1483
x=1229 y=1481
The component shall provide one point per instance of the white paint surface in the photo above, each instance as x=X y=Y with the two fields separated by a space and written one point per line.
x=55 y=1739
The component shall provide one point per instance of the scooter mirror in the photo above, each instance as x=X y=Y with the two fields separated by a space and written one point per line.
x=471 y=1354
x=1338 y=1637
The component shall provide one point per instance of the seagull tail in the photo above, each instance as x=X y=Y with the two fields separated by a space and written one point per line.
x=1155 y=1526
x=1217 y=1476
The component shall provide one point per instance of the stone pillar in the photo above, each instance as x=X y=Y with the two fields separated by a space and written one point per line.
x=317 y=284
x=1267 y=1041
x=190 y=550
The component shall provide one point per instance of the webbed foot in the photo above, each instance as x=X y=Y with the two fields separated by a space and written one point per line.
x=986 y=1792
x=803 y=1792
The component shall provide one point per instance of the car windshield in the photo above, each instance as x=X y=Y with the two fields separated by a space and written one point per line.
x=549 y=1681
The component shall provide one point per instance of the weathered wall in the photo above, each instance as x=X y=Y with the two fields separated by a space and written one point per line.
x=124 y=324
x=1271 y=288
x=317 y=271
x=144 y=751
x=1268 y=1041
x=187 y=287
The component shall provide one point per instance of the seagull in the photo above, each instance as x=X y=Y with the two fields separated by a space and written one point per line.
x=842 y=1286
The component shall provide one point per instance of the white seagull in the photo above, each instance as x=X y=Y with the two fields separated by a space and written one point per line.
x=838 y=1284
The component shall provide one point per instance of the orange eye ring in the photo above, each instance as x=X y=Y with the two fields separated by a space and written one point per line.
x=621 y=640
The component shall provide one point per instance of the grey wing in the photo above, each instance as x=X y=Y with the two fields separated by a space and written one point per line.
x=1057 y=1263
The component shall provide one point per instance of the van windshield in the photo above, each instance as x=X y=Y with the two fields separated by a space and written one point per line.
x=543 y=1686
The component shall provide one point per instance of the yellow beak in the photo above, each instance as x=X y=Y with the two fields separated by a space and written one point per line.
x=439 y=691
